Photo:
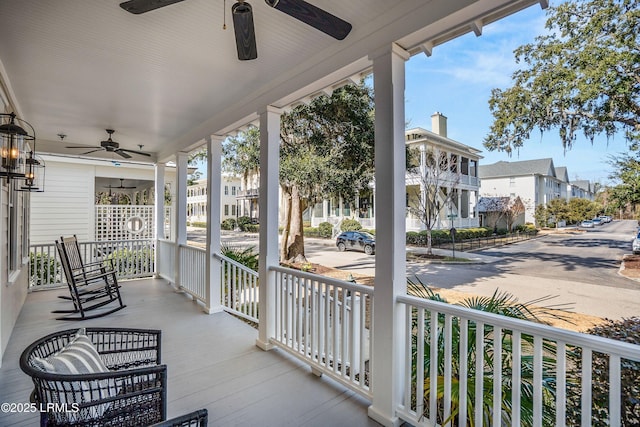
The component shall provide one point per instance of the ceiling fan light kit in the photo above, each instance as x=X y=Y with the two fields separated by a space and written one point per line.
x=244 y=30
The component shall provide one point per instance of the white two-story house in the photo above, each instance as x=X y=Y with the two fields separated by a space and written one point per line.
x=536 y=182
x=461 y=177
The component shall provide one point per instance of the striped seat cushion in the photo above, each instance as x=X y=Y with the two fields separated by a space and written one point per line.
x=78 y=356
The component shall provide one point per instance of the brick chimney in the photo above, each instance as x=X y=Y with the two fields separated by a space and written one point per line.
x=439 y=124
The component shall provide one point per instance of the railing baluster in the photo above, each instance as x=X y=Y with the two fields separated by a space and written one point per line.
x=497 y=375
x=614 y=391
x=479 y=379
x=448 y=360
x=433 y=367
x=516 y=376
x=586 y=387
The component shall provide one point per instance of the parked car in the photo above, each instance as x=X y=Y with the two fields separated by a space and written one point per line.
x=587 y=224
x=358 y=240
x=605 y=218
x=597 y=221
x=635 y=245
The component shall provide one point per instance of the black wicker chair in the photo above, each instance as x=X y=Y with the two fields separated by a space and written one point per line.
x=132 y=393
x=91 y=285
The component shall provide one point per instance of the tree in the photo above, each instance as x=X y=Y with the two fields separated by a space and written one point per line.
x=581 y=209
x=241 y=154
x=581 y=76
x=558 y=210
x=513 y=209
x=626 y=171
x=437 y=176
x=326 y=151
x=541 y=216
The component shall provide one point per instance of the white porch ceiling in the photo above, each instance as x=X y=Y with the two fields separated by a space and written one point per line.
x=169 y=78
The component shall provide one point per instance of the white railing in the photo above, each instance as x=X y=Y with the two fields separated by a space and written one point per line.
x=326 y=323
x=553 y=376
x=239 y=288
x=166 y=259
x=193 y=272
x=131 y=259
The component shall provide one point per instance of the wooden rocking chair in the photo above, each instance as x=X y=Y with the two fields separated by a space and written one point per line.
x=91 y=285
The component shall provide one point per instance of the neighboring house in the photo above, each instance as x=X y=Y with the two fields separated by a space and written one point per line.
x=582 y=189
x=536 y=182
x=81 y=195
x=197 y=199
x=462 y=164
x=501 y=212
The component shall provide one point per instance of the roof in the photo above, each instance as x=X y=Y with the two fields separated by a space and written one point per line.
x=522 y=168
x=170 y=78
x=583 y=184
x=423 y=134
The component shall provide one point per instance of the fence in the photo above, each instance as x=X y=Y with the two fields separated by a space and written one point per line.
x=480 y=242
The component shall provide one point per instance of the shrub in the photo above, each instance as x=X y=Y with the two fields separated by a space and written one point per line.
x=198 y=224
x=311 y=232
x=627 y=330
x=325 y=230
x=247 y=257
x=243 y=221
x=42 y=269
x=252 y=228
x=350 y=225
x=132 y=262
x=228 y=224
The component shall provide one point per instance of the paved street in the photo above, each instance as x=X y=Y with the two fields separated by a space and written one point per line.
x=580 y=268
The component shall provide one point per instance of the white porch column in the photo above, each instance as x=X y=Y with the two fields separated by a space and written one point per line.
x=180 y=226
x=214 y=184
x=159 y=209
x=268 y=208
x=390 y=279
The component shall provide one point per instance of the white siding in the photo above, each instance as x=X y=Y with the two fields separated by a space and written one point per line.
x=66 y=206
x=522 y=186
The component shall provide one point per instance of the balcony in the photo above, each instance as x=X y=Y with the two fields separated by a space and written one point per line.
x=324 y=326
x=212 y=363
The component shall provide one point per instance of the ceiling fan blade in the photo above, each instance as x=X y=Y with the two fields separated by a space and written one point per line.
x=122 y=153
x=245 y=33
x=92 y=151
x=141 y=6
x=133 y=151
x=314 y=16
x=82 y=146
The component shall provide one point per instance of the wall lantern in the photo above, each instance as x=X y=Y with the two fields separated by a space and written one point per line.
x=14 y=146
x=34 y=174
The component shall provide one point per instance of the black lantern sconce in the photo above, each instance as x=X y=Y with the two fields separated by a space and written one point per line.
x=17 y=153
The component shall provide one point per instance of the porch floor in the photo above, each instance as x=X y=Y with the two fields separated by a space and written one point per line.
x=212 y=363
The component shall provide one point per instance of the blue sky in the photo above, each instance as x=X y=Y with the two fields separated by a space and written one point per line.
x=457 y=81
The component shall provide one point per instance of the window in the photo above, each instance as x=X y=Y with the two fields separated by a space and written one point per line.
x=226 y=210
x=512 y=181
x=233 y=210
x=226 y=190
x=233 y=190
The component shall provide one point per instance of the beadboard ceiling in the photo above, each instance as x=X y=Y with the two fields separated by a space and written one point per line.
x=168 y=78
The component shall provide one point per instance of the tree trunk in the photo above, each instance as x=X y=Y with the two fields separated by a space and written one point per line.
x=429 y=242
x=286 y=193
x=295 y=248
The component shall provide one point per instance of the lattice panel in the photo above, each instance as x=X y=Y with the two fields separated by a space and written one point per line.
x=124 y=222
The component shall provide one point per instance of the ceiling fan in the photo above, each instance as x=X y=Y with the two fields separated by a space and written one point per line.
x=243 y=20
x=112 y=147
x=120 y=187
